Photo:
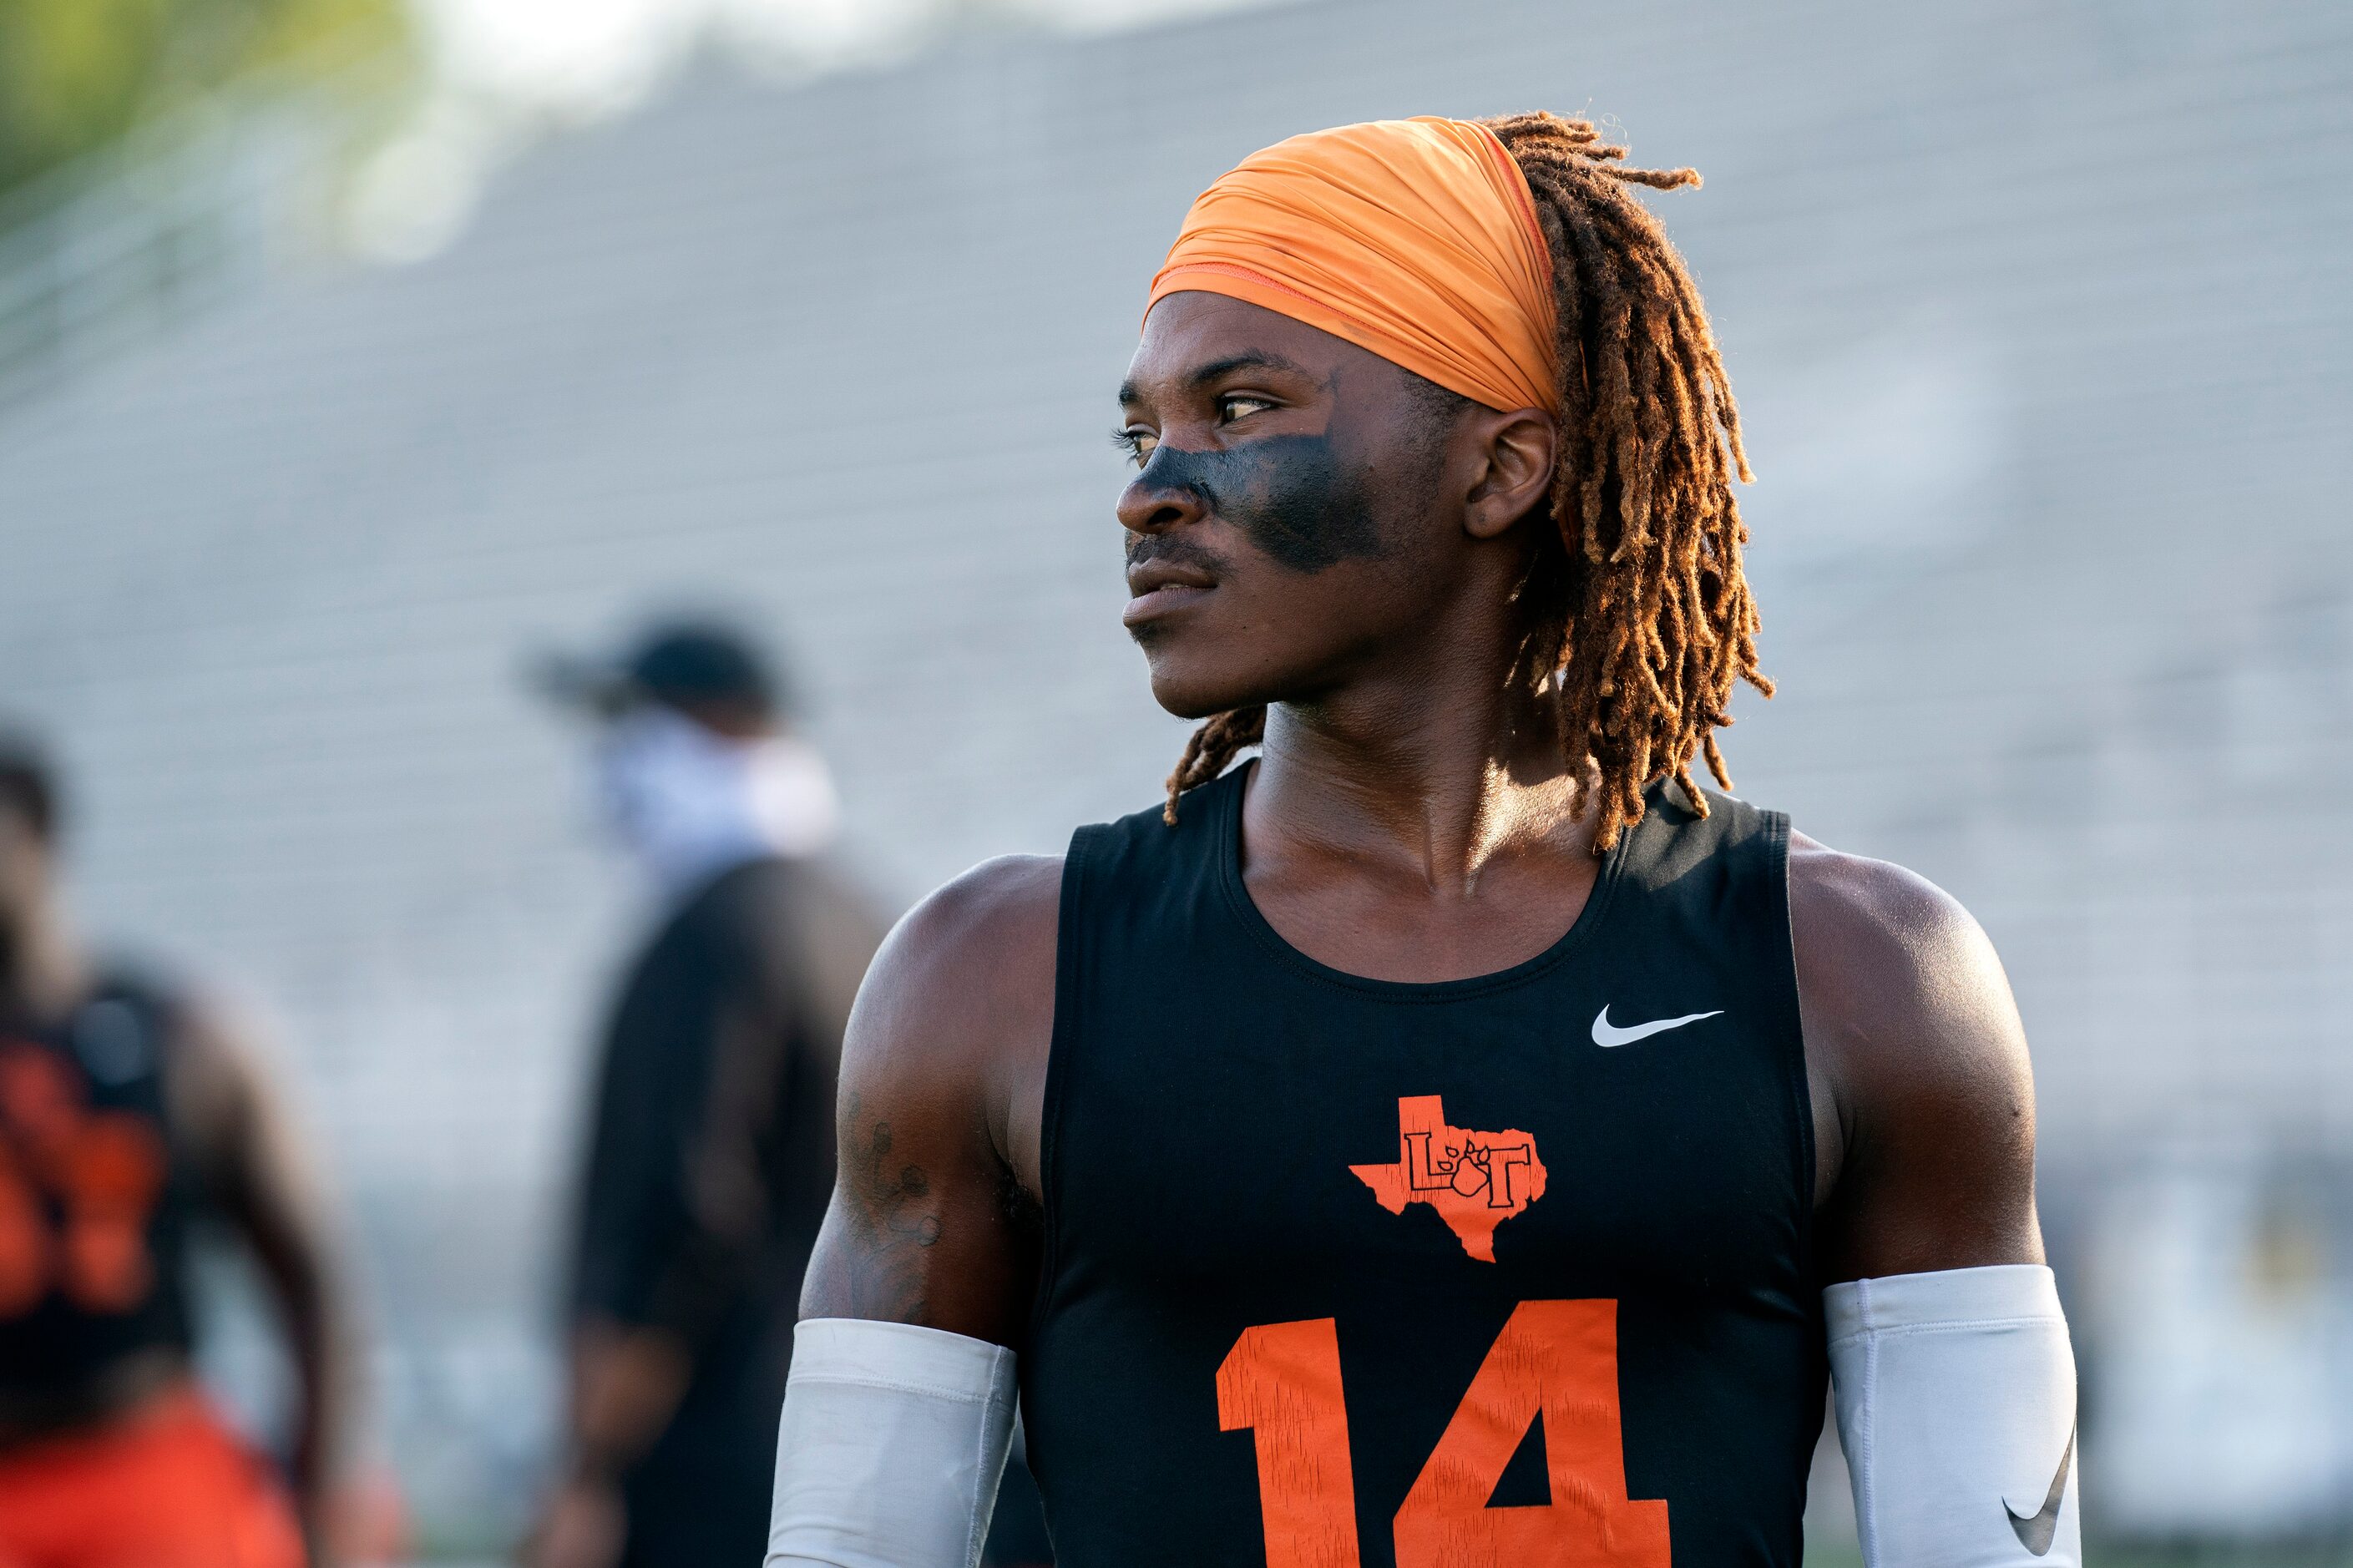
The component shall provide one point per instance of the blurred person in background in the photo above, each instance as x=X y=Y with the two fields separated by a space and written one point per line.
x=129 y=1111
x=710 y=1148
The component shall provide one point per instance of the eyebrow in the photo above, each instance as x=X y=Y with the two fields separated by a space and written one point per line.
x=1219 y=369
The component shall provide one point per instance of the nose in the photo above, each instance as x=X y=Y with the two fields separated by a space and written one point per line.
x=1162 y=497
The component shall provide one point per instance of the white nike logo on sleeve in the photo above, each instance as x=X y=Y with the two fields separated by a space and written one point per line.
x=1607 y=1034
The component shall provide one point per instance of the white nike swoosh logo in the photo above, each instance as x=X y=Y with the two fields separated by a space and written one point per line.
x=1607 y=1034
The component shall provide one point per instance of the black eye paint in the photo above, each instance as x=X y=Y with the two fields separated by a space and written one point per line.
x=1292 y=495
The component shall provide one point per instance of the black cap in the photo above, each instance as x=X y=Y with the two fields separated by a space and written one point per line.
x=679 y=664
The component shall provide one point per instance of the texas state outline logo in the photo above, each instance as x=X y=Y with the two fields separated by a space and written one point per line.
x=1474 y=1180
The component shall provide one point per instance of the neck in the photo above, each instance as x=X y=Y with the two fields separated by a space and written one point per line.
x=42 y=970
x=1436 y=766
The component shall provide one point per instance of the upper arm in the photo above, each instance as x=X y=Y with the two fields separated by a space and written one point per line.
x=1925 y=1100
x=942 y=1068
x=250 y=1159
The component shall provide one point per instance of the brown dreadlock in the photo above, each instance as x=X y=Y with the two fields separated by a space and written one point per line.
x=1641 y=622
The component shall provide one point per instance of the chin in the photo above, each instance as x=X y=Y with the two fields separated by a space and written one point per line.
x=1192 y=693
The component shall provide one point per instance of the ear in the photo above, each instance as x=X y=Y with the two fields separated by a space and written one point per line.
x=1517 y=452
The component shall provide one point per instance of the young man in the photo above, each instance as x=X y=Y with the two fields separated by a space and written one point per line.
x=710 y=1155
x=1458 y=1138
x=127 y=1111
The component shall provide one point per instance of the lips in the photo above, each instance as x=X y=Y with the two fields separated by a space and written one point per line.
x=1158 y=587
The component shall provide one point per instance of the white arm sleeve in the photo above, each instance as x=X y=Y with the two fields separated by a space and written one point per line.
x=1957 y=1408
x=893 y=1442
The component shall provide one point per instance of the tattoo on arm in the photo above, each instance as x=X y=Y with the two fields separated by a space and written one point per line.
x=893 y=1218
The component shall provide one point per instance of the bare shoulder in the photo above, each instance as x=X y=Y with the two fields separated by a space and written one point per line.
x=1912 y=1038
x=230 y=1113
x=965 y=975
x=215 y=1082
x=943 y=1076
x=1895 y=972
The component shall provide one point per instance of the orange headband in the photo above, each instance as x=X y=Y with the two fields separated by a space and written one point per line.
x=1416 y=239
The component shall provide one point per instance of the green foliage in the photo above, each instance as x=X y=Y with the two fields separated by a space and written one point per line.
x=78 y=74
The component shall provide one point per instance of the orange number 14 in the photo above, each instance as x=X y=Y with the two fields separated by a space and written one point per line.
x=1557 y=1361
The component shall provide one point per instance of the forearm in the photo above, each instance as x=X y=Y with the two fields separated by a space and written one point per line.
x=895 y=1428
x=1957 y=1409
x=898 y=1413
x=323 y=1344
x=245 y=1150
x=891 y=1447
x=900 y=1408
x=627 y=1382
x=287 y=1232
x=324 y=1353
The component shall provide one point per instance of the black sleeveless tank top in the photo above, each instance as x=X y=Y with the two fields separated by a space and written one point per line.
x=1501 y=1271
x=94 y=1203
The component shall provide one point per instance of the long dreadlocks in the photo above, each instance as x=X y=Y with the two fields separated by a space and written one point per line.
x=1640 y=621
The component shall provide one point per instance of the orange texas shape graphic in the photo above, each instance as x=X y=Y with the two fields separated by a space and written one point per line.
x=1476 y=1181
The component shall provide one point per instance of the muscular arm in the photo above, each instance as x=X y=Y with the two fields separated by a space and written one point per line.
x=1923 y=1103
x=254 y=1172
x=1957 y=1385
x=1955 y=1380
x=942 y=1077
